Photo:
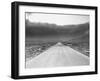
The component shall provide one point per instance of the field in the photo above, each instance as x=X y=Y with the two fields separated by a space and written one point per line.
x=81 y=47
x=32 y=49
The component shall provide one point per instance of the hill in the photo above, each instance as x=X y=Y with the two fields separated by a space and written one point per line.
x=46 y=30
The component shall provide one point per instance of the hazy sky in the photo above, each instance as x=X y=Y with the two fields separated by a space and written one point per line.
x=58 y=19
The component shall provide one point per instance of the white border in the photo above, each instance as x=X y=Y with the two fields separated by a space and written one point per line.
x=23 y=71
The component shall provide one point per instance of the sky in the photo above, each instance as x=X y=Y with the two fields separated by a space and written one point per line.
x=58 y=19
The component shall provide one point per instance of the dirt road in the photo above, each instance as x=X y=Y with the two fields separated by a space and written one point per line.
x=58 y=55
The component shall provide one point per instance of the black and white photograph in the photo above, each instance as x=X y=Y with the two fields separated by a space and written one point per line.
x=50 y=40
x=56 y=40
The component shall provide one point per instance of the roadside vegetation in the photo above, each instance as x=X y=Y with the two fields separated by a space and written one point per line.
x=32 y=49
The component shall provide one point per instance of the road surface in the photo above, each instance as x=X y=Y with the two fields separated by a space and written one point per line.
x=58 y=55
